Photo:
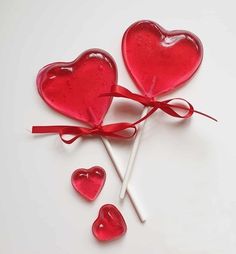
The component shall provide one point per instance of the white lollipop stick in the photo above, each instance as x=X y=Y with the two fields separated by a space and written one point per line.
x=133 y=199
x=118 y=170
x=133 y=155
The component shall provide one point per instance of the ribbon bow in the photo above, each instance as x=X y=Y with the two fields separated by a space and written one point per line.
x=116 y=130
x=109 y=130
x=166 y=106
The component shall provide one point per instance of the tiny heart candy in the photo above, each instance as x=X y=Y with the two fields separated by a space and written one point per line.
x=159 y=60
x=89 y=182
x=110 y=224
x=73 y=88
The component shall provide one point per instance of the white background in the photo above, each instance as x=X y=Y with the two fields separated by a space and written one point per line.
x=185 y=173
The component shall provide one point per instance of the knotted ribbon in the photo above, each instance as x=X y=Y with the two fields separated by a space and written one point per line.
x=116 y=130
x=165 y=106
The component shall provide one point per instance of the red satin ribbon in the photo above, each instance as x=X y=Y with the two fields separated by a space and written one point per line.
x=115 y=130
x=166 y=106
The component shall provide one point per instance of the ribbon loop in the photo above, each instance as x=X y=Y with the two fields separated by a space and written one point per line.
x=116 y=130
x=165 y=106
x=168 y=108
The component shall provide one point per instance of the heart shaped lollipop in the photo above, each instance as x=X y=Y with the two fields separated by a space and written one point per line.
x=110 y=224
x=159 y=60
x=89 y=182
x=73 y=88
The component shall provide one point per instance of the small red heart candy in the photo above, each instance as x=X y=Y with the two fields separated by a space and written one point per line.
x=73 y=88
x=110 y=224
x=159 y=60
x=89 y=182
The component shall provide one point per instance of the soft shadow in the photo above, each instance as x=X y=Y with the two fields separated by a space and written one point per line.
x=128 y=109
x=78 y=197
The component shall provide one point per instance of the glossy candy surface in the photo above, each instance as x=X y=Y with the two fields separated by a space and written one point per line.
x=159 y=60
x=110 y=224
x=89 y=182
x=73 y=88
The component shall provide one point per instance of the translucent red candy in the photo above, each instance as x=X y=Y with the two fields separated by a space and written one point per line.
x=159 y=60
x=89 y=182
x=110 y=224
x=73 y=88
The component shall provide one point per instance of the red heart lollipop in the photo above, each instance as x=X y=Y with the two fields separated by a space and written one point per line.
x=110 y=224
x=89 y=182
x=73 y=88
x=158 y=60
